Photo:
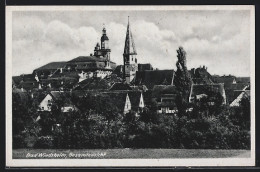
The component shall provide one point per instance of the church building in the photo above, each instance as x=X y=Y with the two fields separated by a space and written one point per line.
x=130 y=60
x=97 y=65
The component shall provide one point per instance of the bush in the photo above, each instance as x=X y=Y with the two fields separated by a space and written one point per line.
x=44 y=142
x=18 y=142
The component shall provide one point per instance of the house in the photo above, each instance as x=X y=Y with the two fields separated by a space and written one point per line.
x=25 y=81
x=154 y=77
x=243 y=80
x=233 y=89
x=136 y=100
x=226 y=80
x=53 y=98
x=142 y=88
x=167 y=104
x=241 y=94
x=47 y=70
x=236 y=95
x=201 y=76
x=98 y=64
x=199 y=91
x=126 y=100
x=93 y=84
x=165 y=96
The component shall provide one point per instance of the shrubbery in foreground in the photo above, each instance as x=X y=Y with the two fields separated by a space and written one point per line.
x=205 y=127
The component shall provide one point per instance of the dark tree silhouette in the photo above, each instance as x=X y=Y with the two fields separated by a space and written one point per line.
x=182 y=81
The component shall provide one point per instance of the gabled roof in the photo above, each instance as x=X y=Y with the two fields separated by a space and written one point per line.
x=62 y=96
x=199 y=89
x=154 y=77
x=52 y=66
x=120 y=86
x=233 y=91
x=239 y=96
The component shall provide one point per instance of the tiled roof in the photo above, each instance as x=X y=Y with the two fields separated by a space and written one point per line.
x=199 y=89
x=139 y=88
x=159 y=90
x=86 y=59
x=147 y=66
x=237 y=86
x=52 y=66
x=65 y=74
x=119 y=71
x=201 y=76
x=120 y=86
x=239 y=96
x=154 y=77
x=93 y=84
x=243 y=79
x=227 y=80
x=234 y=90
x=64 y=96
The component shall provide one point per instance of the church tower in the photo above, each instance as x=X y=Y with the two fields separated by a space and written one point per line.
x=103 y=51
x=130 y=60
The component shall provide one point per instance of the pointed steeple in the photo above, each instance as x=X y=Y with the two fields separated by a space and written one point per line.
x=129 y=42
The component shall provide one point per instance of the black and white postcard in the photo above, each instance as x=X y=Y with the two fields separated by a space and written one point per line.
x=125 y=86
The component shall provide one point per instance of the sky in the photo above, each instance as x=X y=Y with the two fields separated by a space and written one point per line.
x=220 y=40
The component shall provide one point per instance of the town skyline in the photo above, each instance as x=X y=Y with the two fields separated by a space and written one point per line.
x=44 y=37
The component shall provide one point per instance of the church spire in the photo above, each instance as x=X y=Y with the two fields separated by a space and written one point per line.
x=129 y=42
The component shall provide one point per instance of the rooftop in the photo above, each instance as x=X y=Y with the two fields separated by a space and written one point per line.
x=149 y=78
x=52 y=66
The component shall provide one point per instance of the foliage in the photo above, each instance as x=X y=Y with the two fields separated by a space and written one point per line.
x=99 y=125
x=182 y=81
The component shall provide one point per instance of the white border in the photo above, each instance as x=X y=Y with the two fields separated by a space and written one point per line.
x=123 y=162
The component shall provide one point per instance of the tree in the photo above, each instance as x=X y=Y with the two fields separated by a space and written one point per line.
x=182 y=81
